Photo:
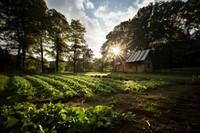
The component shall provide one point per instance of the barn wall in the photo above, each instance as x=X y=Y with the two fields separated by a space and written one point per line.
x=134 y=67
x=148 y=67
x=144 y=66
x=119 y=68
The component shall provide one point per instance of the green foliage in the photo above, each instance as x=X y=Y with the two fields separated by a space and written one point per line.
x=98 y=86
x=23 y=87
x=62 y=67
x=45 y=90
x=64 y=88
x=82 y=90
x=59 y=30
x=34 y=65
x=145 y=76
x=32 y=30
x=26 y=117
x=21 y=20
x=4 y=81
x=54 y=87
x=78 y=41
x=139 y=86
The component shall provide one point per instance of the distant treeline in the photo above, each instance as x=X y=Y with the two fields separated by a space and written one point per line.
x=170 y=29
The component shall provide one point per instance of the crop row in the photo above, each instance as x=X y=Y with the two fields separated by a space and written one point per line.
x=139 y=86
x=23 y=87
x=96 y=87
x=64 y=86
x=81 y=89
x=45 y=90
x=101 y=86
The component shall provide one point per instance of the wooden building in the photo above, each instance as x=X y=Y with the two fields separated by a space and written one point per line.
x=139 y=61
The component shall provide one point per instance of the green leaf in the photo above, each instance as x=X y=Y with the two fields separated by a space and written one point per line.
x=99 y=124
x=49 y=121
x=10 y=122
x=64 y=116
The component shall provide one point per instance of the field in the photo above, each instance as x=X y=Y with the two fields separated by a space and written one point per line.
x=95 y=102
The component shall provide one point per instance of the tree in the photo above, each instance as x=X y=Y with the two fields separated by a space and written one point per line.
x=85 y=59
x=58 y=30
x=77 y=39
x=169 y=29
x=18 y=19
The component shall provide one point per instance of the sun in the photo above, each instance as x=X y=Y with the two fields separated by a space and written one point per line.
x=116 y=50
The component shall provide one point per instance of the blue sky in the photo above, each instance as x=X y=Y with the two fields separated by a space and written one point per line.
x=98 y=16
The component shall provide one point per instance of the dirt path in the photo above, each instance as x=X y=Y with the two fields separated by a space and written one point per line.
x=174 y=109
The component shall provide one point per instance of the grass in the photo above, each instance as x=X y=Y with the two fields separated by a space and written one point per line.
x=143 y=76
x=194 y=70
x=151 y=109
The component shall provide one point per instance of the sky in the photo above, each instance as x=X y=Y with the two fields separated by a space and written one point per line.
x=99 y=17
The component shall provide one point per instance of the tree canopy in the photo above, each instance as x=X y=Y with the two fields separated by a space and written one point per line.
x=170 y=29
x=29 y=30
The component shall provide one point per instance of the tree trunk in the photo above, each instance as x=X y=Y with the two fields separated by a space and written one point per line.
x=23 y=59
x=18 y=62
x=74 y=63
x=42 y=55
x=57 y=54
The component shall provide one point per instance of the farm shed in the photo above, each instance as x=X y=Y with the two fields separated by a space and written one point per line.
x=139 y=61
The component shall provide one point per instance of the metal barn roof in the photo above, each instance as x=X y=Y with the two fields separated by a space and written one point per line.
x=138 y=56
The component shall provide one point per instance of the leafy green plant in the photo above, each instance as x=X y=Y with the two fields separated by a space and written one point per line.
x=100 y=86
x=26 y=117
x=139 y=86
x=4 y=80
x=44 y=89
x=23 y=87
x=82 y=90
x=64 y=88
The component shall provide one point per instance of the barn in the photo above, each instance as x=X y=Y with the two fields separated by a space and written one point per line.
x=139 y=61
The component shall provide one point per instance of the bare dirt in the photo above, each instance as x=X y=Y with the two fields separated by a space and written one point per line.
x=174 y=109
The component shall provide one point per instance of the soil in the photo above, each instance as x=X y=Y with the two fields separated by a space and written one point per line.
x=174 y=109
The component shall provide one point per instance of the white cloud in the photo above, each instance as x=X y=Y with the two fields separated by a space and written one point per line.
x=74 y=9
x=142 y=3
x=113 y=18
x=97 y=28
x=89 y=5
x=94 y=36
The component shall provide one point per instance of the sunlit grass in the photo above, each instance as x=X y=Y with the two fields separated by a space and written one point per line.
x=96 y=73
x=142 y=76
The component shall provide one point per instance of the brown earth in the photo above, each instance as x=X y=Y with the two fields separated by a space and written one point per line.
x=174 y=109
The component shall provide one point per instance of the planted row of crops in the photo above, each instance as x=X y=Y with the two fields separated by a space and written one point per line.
x=98 y=86
x=52 y=87
x=27 y=117
x=81 y=89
